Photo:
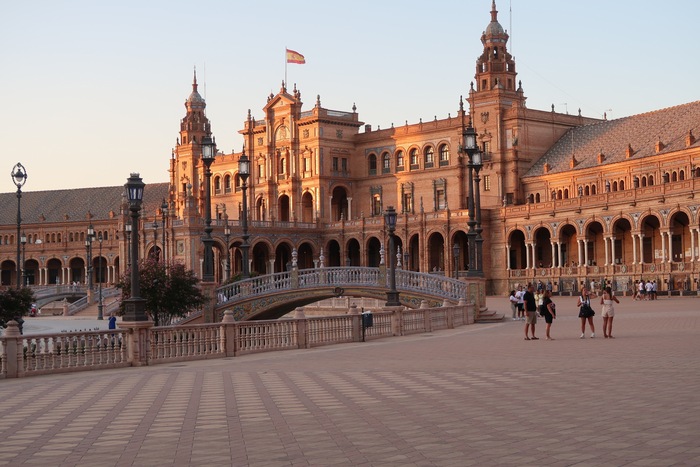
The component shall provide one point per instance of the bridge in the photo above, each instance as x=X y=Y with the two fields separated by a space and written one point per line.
x=52 y=293
x=273 y=295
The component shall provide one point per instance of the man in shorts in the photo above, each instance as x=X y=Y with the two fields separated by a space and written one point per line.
x=530 y=312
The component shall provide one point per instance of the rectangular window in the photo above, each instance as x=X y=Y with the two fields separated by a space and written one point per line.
x=335 y=164
x=487 y=182
x=440 y=198
x=407 y=202
x=344 y=162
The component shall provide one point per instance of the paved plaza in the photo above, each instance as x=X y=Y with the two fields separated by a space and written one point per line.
x=476 y=395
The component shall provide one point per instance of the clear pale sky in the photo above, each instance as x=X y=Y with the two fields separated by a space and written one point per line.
x=94 y=90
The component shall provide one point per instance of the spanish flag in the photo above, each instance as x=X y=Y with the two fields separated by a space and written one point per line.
x=295 y=57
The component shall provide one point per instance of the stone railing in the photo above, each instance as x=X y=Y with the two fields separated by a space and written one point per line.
x=439 y=287
x=139 y=343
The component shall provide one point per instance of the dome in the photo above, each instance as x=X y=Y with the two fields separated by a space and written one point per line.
x=494 y=29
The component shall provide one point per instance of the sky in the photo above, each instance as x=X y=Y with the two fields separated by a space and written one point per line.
x=95 y=90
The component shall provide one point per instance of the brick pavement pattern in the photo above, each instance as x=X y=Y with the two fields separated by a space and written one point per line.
x=476 y=395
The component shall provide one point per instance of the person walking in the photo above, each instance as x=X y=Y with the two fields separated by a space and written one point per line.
x=530 y=312
x=586 y=313
x=608 y=311
x=549 y=312
x=513 y=305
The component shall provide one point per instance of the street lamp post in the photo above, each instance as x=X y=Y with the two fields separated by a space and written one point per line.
x=164 y=216
x=134 y=306
x=392 y=296
x=23 y=241
x=127 y=231
x=99 y=279
x=227 y=237
x=470 y=148
x=208 y=156
x=455 y=256
x=19 y=178
x=88 y=247
x=243 y=173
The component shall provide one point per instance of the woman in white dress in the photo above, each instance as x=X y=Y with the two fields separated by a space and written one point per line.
x=608 y=311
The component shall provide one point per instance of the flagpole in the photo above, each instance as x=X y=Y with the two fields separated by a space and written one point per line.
x=285 y=66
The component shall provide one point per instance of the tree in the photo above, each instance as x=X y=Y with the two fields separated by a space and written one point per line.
x=15 y=303
x=170 y=290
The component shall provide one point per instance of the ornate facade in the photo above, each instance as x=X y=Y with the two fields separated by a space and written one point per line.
x=565 y=198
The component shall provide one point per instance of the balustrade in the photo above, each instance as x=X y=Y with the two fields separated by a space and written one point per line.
x=91 y=350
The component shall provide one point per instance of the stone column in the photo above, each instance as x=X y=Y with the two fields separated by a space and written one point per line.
x=607 y=251
x=349 y=208
x=138 y=341
x=663 y=247
x=612 y=249
x=579 y=244
x=634 y=248
x=527 y=256
x=507 y=258
x=585 y=252
x=560 y=262
x=553 y=253
x=692 y=244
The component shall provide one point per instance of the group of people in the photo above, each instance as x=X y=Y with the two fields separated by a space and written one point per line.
x=645 y=290
x=527 y=304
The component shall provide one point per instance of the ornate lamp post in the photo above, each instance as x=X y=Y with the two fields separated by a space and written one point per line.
x=392 y=296
x=208 y=156
x=23 y=241
x=478 y=164
x=455 y=258
x=470 y=148
x=88 y=247
x=164 y=216
x=19 y=178
x=134 y=306
x=243 y=173
x=127 y=231
x=99 y=279
x=227 y=237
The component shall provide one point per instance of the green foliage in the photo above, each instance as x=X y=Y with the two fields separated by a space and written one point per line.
x=170 y=290
x=15 y=302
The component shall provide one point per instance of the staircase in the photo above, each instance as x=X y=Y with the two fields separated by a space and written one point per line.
x=485 y=315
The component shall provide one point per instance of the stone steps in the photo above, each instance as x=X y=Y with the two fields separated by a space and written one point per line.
x=489 y=316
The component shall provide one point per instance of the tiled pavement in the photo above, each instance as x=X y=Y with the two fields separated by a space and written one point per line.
x=476 y=395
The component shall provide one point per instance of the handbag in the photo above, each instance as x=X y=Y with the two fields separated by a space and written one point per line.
x=586 y=311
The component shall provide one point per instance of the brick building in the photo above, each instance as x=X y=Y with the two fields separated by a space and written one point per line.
x=565 y=198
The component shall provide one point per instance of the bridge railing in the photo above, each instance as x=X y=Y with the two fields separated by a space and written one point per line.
x=27 y=355
x=422 y=283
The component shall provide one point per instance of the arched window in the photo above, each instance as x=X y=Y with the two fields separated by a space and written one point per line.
x=537 y=198
x=593 y=189
x=531 y=198
x=413 y=155
x=587 y=190
x=566 y=193
x=681 y=175
x=651 y=180
x=444 y=155
x=674 y=176
x=644 y=180
x=237 y=182
x=399 y=161
x=227 y=183
x=560 y=194
x=386 y=163
x=217 y=185
x=372 y=162
x=428 y=157
x=622 y=185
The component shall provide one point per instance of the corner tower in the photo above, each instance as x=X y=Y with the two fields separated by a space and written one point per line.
x=186 y=167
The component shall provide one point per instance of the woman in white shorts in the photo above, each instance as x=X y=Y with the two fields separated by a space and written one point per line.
x=608 y=311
